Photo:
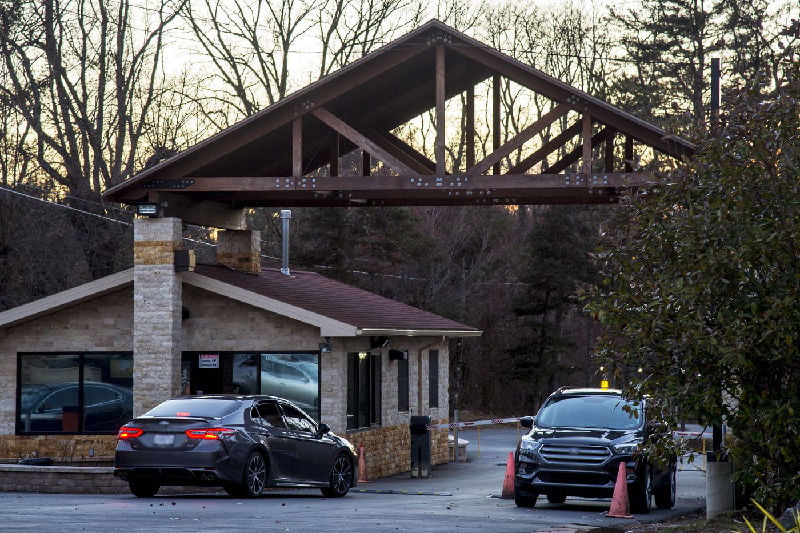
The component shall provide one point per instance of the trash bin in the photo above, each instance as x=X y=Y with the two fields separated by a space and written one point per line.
x=420 y=446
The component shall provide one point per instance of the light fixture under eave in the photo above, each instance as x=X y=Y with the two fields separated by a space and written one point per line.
x=327 y=346
x=148 y=209
x=378 y=342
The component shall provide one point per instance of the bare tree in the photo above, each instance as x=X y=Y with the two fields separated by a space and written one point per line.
x=248 y=45
x=350 y=29
x=83 y=75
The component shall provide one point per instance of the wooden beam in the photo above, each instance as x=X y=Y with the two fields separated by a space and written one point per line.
x=556 y=142
x=334 y=155
x=399 y=149
x=362 y=141
x=561 y=92
x=575 y=154
x=518 y=140
x=366 y=163
x=496 y=119
x=276 y=116
x=608 y=159
x=297 y=147
x=394 y=185
x=440 y=117
x=628 y=153
x=586 y=136
x=469 y=111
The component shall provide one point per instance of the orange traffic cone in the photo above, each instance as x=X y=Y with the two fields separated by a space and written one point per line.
x=620 y=506
x=508 y=482
x=362 y=465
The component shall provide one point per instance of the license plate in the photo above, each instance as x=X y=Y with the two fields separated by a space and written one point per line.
x=163 y=439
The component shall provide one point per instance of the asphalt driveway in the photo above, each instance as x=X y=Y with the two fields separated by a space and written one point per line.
x=457 y=497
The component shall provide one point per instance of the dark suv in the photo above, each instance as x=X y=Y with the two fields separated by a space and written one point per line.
x=576 y=443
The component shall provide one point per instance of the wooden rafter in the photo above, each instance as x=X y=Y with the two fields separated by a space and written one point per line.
x=276 y=157
x=416 y=161
x=518 y=140
x=548 y=148
x=576 y=154
x=360 y=140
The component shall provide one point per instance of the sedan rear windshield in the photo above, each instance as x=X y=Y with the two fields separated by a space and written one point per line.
x=201 y=408
x=594 y=411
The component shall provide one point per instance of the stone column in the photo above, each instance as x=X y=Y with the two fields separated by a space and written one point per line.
x=157 y=301
x=240 y=249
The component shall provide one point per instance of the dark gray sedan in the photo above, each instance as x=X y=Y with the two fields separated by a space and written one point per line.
x=241 y=443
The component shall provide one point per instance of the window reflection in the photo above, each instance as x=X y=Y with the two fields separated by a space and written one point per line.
x=294 y=377
x=74 y=393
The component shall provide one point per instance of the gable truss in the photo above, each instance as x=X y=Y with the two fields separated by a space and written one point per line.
x=318 y=126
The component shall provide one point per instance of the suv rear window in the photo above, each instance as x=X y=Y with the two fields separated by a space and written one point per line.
x=202 y=408
x=593 y=411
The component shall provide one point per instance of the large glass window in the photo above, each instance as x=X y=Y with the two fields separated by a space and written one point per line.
x=363 y=390
x=293 y=376
x=433 y=378
x=290 y=375
x=76 y=392
x=402 y=384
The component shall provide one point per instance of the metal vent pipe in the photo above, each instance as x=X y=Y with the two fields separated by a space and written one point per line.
x=286 y=215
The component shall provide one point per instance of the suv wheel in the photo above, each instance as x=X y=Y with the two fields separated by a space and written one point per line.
x=524 y=500
x=665 y=496
x=640 y=492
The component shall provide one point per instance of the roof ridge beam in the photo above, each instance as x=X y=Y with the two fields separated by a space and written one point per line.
x=361 y=140
x=518 y=140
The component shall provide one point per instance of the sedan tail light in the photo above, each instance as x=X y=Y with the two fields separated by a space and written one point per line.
x=210 y=433
x=129 y=433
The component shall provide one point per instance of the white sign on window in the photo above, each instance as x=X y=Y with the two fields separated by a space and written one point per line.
x=208 y=360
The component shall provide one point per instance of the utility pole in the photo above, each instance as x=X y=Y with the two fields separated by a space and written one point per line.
x=720 y=493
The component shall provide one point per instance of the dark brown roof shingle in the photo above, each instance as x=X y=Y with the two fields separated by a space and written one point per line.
x=339 y=301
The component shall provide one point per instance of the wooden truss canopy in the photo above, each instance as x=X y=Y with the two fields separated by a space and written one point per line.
x=274 y=158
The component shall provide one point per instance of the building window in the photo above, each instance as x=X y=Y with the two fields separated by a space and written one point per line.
x=293 y=376
x=402 y=384
x=74 y=392
x=363 y=390
x=433 y=378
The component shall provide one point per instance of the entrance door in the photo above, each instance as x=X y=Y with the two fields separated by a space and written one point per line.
x=208 y=373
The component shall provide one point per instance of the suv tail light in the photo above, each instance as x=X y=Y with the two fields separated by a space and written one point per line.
x=129 y=433
x=210 y=433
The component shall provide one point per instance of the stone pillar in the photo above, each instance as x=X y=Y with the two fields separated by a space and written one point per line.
x=157 y=303
x=719 y=488
x=240 y=249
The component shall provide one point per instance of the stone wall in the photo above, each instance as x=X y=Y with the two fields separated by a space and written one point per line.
x=102 y=324
x=60 y=479
x=58 y=447
x=240 y=249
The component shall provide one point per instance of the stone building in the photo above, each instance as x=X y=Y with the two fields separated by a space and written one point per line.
x=76 y=365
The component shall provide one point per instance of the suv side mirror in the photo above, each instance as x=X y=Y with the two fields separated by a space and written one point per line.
x=323 y=429
x=526 y=422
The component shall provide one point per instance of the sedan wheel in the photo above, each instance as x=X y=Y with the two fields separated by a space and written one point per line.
x=255 y=475
x=143 y=489
x=341 y=478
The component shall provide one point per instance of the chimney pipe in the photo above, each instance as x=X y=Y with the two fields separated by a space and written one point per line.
x=286 y=215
